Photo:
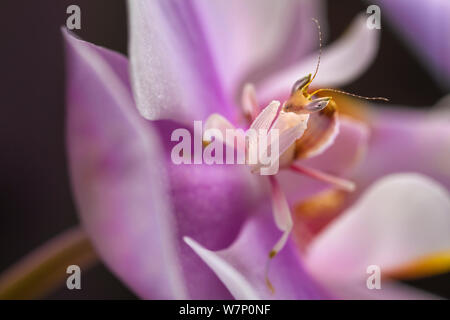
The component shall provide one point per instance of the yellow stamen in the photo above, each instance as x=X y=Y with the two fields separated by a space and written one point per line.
x=424 y=267
x=321 y=204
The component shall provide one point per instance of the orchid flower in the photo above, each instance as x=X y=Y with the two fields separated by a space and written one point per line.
x=208 y=231
x=138 y=207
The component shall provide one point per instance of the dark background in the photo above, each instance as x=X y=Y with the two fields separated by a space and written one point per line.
x=35 y=196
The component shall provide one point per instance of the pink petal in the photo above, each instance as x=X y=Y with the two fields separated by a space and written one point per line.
x=266 y=117
x=342 y=62
x=173 y=72
x=289 y=135
x=136 y=204
x=242 y=266
x=406 y=140
x=398 y=220
x=347 y=150
x=251 y=39
x=118 y=174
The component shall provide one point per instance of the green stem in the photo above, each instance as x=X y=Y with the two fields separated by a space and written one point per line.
x=44 y=270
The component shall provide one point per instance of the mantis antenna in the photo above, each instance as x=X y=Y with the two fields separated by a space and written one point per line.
x=320 y=48
x=349 y=94
x=317 y=70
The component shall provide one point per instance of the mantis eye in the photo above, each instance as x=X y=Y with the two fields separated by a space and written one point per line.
x=317 y=104
x=301 y=84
